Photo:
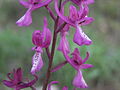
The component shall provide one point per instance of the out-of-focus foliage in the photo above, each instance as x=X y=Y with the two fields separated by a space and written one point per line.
x=15 y=45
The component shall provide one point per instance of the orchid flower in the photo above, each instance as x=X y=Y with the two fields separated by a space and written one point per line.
x=32 y=5
x=40 y=40
x=17 y=81
x=78 y=63
x=79 y=2
x=77 y=19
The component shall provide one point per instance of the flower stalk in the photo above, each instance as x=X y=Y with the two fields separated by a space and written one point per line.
x=48 y=74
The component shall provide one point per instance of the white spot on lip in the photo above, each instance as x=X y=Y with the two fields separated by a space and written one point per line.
x=83 y=34
x=36 y=61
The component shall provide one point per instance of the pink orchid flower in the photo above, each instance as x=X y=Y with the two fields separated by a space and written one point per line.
x=78 y=63
x=40 y=40
x=32 y=5
x=77 y=19
x=17 y=81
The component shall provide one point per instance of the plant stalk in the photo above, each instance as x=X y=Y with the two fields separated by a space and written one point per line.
x=48 y=74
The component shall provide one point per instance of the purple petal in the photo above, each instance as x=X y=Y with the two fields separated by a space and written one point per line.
x=69 y=60
x=81 y=38
x=86 y=66
x=77 y=60
x=33 y=48
x=88 y=1
x=79 y=81
x=37 y=62
x=64 y=18
x=45 y=22
x=65 y=88
x=25 y=20
x=76 y=51
x=24 y=3
x=83 y=12
x=37 y=38
x=60 y=21
x=29 y=84
x=39 y=49
x=50 y=84
x=16 y=77
x=87 y=57
x=86 y=21
x=63 y=43
x=9 y=83
x=77 y=2
x=73 y=15
x=31 y=1
x=41 y=4
x=19 y=75
x=47 y=35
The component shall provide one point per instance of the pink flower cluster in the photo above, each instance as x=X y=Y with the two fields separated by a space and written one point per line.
x=42 y=39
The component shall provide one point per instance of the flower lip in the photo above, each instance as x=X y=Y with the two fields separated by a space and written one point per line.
x=37 y=63
x=26 y=19
x=79 y=81
x=80 y=38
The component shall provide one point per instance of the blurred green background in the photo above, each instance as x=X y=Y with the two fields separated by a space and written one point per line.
x=15 y=45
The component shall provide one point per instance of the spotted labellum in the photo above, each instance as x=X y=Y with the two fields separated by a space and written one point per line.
x=40 y=40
